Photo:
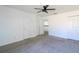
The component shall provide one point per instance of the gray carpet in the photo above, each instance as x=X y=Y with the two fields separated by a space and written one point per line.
x=48 y=44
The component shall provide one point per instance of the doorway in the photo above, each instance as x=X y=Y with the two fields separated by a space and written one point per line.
x=45 y=26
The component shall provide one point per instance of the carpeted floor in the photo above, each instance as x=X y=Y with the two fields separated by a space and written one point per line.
x=48 y=44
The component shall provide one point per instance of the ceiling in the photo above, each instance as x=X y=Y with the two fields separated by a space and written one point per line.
x=59 y=8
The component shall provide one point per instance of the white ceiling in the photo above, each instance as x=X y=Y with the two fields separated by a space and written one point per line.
x=59 y=8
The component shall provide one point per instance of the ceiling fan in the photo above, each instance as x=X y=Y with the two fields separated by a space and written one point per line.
x=45 y=9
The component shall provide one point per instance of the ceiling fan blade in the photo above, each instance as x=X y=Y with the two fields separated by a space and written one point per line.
x=38 y=11
x=38 y=8
x=45 y=11
x=47 y=5
x=51 y=9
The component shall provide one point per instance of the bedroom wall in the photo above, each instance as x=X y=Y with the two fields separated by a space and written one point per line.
x=65 y=25
x=16 y=25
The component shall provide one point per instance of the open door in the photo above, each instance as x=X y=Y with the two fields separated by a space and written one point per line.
x=45 y=26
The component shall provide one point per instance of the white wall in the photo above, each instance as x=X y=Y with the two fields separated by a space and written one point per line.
x=30 y=24
x=16 y=25
x=65 y=25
